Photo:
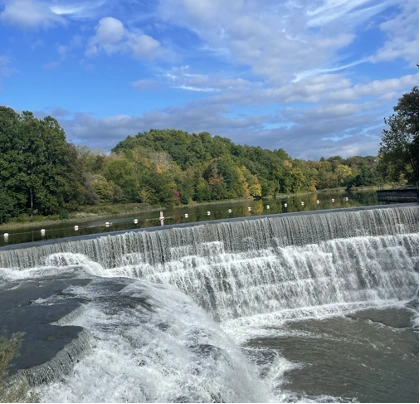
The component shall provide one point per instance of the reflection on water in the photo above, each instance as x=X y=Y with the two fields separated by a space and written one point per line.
x=199 y=213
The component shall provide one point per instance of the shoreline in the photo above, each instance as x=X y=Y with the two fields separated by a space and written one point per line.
x=120 y=210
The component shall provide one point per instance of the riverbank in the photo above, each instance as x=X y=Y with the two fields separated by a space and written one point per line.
x=97 y=212
x=88 y=213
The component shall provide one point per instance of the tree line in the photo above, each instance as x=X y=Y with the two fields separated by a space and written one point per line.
x=41 y=173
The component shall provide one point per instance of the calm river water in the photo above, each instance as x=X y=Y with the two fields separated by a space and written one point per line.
x=195 y=214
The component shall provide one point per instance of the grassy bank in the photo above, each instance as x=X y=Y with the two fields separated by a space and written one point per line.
x=87 y=213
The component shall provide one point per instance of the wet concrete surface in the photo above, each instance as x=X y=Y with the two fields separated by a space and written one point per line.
x=21 y=311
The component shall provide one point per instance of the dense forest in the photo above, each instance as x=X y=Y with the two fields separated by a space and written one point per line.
x=41 y=173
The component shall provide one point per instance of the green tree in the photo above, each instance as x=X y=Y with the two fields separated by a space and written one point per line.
x=8 y=207
x=343 y=174
x=399 y=148
x=185 y=185
x=11 y=162
x=103 y=188
x=365 y=178
x=38 y=168
x=202 y=190
x=122 y=173
x=216 y=180
x=160 y=188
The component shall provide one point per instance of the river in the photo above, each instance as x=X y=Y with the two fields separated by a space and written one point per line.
x=301 y=307
x=175 y=215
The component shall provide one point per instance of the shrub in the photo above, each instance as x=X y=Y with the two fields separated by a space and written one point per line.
x=64 y=214
x=19 y=390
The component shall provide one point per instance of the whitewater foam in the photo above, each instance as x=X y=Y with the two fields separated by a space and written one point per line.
x=164 y=350
x=166 y=310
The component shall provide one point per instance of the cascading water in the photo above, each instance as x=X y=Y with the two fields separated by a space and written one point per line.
x=162 y=245
x=153 y=343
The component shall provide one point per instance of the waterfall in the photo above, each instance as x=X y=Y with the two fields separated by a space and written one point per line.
x=153 y=344
x=163 y=245
x=165 y=308
x=235 y=269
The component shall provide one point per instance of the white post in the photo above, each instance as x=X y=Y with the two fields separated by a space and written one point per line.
x=161 y=218
x=106 y=224
x=135 y=221
x=285 y=205
x=186 y=215
x=6 y=236
x=332 y=200
x=76 y=227
x=249 y=208
x=317 y=201
x=42 y=232
x=208 y=213
x=229 y=210
x=268 y=206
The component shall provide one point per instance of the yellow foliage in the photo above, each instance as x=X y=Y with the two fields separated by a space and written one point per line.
x=255 y=189
x=287 y=165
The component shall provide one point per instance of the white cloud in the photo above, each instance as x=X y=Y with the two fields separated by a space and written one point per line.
x=185 y=78
x=288 y=74
x=278 y=40
x=197 y=89
x=77 y=9
x=319 y=71
x=403 y=35
x=112 y=37
x=309 y=133
x=143 y=46
x=351 y=12
x=330 y=120
x=109 y=31
x=29 y=14
x=376 y=88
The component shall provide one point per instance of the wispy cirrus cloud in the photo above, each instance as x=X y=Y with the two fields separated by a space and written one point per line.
x=77 y=9
x=278 y=40
x=319 y=71
x=351 y=12
x=185 y=78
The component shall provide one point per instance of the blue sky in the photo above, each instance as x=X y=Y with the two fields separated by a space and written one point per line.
x=315 y=78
